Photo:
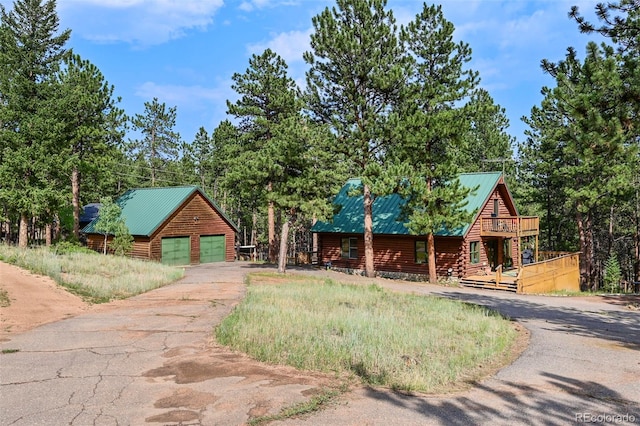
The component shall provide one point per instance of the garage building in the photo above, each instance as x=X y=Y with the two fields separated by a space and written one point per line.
x=173 y=225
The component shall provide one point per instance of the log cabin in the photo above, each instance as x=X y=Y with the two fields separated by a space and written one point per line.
x=495 y=238
x=173 y=225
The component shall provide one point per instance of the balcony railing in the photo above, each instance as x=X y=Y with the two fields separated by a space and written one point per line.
x=509 y=226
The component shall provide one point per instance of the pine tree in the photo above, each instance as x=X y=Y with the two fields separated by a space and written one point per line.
x=91 y=125
x=487 y=145
x=620 y=22
x=309 y=175
x=582 y=124
x=432 y=127
x=356 y=76
x=160 y=142
x=31 y=48
x=612 y=274
x=268 y=96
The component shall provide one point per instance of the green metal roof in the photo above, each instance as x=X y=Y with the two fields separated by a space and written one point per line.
x=386 y=209
x=145 y=209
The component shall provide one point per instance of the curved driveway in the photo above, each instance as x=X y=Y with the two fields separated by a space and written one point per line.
x=151 y=360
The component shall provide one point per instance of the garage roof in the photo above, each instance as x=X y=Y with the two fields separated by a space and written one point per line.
x=145 y=209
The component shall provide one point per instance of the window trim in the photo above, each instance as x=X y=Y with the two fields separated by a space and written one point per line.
x=352 y=252
x=474 y=253
x=415 y=252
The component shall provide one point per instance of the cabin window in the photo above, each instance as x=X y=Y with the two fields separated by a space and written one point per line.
x=496 y=207
x=421 y=251
x=349 y=248
x=474 y=252
x=506 y=247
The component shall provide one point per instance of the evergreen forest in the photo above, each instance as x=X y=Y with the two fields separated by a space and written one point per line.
x=396 y=105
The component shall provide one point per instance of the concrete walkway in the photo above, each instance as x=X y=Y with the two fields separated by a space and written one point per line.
x=151 y=360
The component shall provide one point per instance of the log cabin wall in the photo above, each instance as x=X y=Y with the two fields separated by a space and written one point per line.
x=500 y=194
x=393 y=253
x=195 y=218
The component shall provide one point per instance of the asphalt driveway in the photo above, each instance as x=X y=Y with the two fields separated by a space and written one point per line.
x=582 y=366
x=151 y=360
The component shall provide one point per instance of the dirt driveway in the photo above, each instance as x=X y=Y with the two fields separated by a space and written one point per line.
x=151 y=360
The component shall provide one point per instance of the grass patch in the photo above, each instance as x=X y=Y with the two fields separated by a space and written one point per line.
x=317 y=402
x=10 y=351
x=4 y=298
x=405 y=342
x=94 y=277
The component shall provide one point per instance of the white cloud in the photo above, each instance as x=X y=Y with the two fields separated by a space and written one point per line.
x=251 y=5
x=290 y=45
x=140 y=22
x=182 y=95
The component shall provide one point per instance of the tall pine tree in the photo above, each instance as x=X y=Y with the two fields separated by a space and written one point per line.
x=160 y=142
x=31 y=49
x=91 y=125
x=268 y=97
x=432 y=127
x=356 y=77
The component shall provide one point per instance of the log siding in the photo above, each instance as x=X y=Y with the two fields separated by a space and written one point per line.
x=194 y=218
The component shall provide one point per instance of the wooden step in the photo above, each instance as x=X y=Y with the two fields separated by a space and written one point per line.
x=491 y=285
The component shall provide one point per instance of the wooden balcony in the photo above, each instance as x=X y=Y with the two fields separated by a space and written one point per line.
x=509 y=226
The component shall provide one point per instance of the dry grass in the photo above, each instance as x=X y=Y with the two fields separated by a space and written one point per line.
x=406 y=342
x=94 y=277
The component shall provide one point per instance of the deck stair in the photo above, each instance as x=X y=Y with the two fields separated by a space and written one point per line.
x=501 y=280
x=489 y=282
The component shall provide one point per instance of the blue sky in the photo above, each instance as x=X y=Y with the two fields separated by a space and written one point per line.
x=184 y=52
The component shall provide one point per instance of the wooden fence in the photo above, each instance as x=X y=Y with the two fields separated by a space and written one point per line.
x=559 y=273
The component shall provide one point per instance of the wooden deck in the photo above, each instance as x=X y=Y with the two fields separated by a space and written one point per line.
x=509 y=226
x=559 y=273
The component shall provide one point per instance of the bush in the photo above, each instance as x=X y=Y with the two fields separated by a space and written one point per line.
x=67 y=247
x=122 y=243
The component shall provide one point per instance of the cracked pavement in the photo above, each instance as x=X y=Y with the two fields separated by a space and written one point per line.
x=146 y=360
x=151 y=359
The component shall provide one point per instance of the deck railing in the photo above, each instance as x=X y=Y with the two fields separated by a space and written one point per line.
x=517 y=226
x=560 y=273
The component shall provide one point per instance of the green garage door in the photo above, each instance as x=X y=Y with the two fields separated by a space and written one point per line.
x=176 y=251
x=212 y=248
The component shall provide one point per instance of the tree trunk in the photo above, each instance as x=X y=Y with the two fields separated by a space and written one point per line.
x=369 y=269
x=282 y=259
x=48 y=228
x=104 y=248
x=636 y=265
x=431 y=252
x=56 y=228
x=75 y=201
x=271 y=218
x=586 y=248
x=152 y=158
x=23 y=233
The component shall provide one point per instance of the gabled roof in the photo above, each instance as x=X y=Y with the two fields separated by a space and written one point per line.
x=146 y=209
x=387 y=209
